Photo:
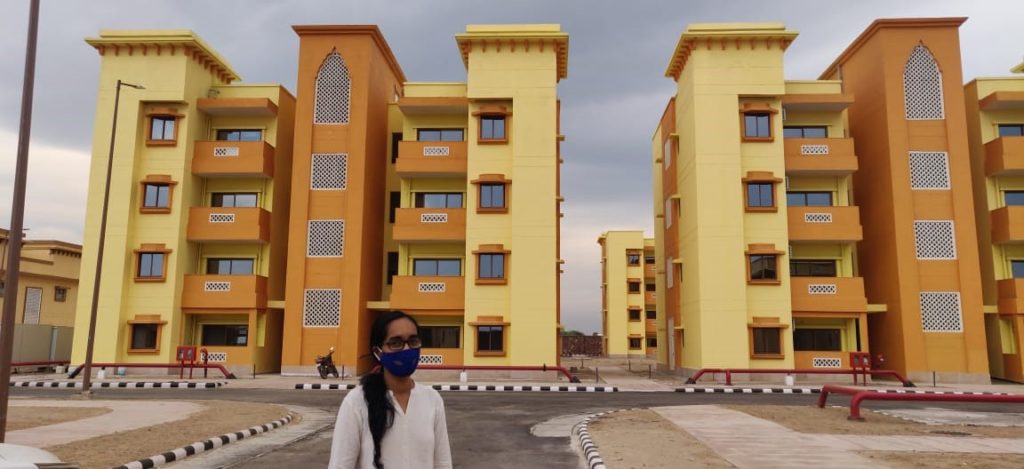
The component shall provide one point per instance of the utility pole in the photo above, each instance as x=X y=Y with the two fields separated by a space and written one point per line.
x=17 y=215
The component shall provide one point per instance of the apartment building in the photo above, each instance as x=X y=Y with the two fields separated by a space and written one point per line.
x=628 y=295
x=47 y=281
x=995 y=133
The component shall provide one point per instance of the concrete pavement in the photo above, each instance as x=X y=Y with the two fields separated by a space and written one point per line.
x=124 y=416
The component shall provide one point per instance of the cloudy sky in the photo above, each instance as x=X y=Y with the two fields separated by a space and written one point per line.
x=611 y=101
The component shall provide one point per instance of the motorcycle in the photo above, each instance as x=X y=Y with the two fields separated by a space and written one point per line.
x=325 y=365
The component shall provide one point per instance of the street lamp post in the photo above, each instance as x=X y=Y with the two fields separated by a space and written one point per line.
x=87 y=367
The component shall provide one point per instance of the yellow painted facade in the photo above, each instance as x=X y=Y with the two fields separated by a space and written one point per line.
x=628 y=297
x=47 y=283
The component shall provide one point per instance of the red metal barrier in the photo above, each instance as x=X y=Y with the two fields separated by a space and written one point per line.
x=227 y=374
x=799 y=371
x=42 y=363
x=861 y=395
x=559 y=369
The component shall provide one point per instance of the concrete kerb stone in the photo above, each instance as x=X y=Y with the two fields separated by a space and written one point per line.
x=473 y=387
x=178 y=454
x=581 y=432
x=758 y=390
x=118 y=384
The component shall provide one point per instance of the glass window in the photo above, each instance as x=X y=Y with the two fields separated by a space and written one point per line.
x=649 y=260
x=437 y=267
x=438 y=200
x=440 y=135
x=393 y=203
x=492 y=128
x=649 y=287
x=229 y=266
x=244 y=199
x=490 y=338
x=809 y=268
x=492 y=266
x=767 y=341
x=634 y=343
x=652 y=342
x=151 y=265
x=809 y=199
x=634 y=287
x=440 y=336
x=652 y=314
x=225 y=334
x=760 y=195
x=156 y=196
x=161 y=128
x=757 y=125
x=395 y=138
x=492 y=196
x=240 y=135
x=1018 y=268
x=817 y=340
x=763 y=267
x=144 y=336
x=60 y=294
x=633 y=258
x=1011 y=130
x=392 y=267
x=1014 y=197
x=806 y=131
x=3 y=287
x=634 y=315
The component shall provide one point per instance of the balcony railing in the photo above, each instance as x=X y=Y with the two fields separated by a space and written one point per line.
x=828 y=294
x=214 y=158
x=430 y=224
x=414 y=292
x=1008 y=224
x=650 y=298
x=1004 y=156
x=819 y=156
x=825 y=224
x=224 y=292
x=431 y=159
x=229 y=224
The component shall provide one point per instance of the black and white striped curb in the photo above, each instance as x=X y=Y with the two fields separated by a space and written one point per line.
x=954 y=393
x=202 y=446
x=325 y=387
x=582 y=433
x=476 y=387
x=117 y=385
x=750 y=390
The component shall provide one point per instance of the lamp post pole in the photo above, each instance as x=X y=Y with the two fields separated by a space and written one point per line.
x=17 y=216
x=87 y=367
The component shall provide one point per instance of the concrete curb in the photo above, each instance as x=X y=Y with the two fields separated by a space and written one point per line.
x=586 y=444
x=473 y=387
x=117 y=385
x=324 y=387
x=750 y=390
x=178 y=454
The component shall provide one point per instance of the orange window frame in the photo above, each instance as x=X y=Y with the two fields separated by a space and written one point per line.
x=156 y=180
x=760 y=177
x=151 y=249
x=492 y=111
x=145 y=320
x=162 y=113
x=492 y=179
x=493 y=249
x=490 y=321
x=757 y=109
x=764 y=250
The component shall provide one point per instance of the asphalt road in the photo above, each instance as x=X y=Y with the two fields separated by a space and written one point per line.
x=486 y=429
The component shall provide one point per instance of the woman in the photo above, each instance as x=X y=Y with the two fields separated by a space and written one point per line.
x=388 y=421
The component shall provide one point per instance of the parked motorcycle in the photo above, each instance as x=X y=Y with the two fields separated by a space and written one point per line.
x=325 y=365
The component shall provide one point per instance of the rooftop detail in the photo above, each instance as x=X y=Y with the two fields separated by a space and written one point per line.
x=168 y=41
x=768 y=35
x=369 y=30
x=514 y=36
x=889 y=23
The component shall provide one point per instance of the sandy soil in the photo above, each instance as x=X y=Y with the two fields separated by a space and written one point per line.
x=218 y=418
x=20 y=418
x=832 y=420
x=946 y=460
x=642 y=438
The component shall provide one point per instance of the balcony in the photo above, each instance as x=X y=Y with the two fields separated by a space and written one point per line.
x=1004 y=156
x=828 y=294
x=650 y=298
x=1008 y=224
x=650 y=326
x=431 y=159
x=410 y=292
x=825 y=224
x=1011 y=296
x=228 y=224
x=430 y=224
x=224 y=292
x=215 y=158
x=650 y=270
x=819 y=156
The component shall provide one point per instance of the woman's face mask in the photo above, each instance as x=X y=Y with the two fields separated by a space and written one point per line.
x=402 y=363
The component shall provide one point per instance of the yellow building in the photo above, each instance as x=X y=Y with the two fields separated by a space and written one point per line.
x=47 y=281
x=755 y=228
x=995 y=130
x=628 y=297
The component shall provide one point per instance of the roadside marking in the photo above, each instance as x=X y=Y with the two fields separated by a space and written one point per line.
x=117 y=385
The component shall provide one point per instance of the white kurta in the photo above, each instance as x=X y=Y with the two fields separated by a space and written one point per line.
x=418 y=438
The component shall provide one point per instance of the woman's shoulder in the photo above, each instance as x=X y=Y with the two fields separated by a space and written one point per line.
x=429 y=392
x=354 y=398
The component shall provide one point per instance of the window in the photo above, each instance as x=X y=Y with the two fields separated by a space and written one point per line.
x=762 y=268
x=492 y=196
x=437 y=267
x=1017 y=267
x=634 y=287
x=395 y=138
x=438 y=200
x=333 y=91
x=492 y=266
x=492 y=128
x=922 y=86
x=440 y=336
x=490 y=339
x=649 y=260
x=243 y=199
x=225 y=335
x=809 y=199
x=805 y=131
x=393 y=203
x=151 y=265
x=760 y=195
x=392 y=266
x=634 y=315
x=1013 y=197
x=649 y=287
x=652 y=342
x=812 y=268
x=666 y=153
x=633 y=258
x=156 y=196
x=635 y=343
x=240 y=135
x=1011 y=130
x=440 y=135
x=817 y=340
x=3 y=287
x=144 y=337
x=162 y=129
x=652 y=314
x=757 y=126
x=767 y=341
x=216 y=266
x=60 y=294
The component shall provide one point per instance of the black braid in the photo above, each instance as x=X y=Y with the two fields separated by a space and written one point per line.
x=379 y=410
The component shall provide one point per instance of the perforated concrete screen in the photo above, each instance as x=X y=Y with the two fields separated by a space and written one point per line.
x=329 y=171
x=322 y=308
x=940 y=312
x=929 y=170
x=934 y=240
x=922 y=86
x=326 y=238
x=333 y=90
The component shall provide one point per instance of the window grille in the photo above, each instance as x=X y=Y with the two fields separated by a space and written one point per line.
x=333 y=90
x=929 y=170
x=217 y=286
x=940 y=312
x=922 y=86
x=813 y=149
x=33 y=304
x=431 y=360
x=322 y=308
x=822 y=289
x=326 y=238
x=216 y=357
x=329 y=171
x=225 y=151
x=431 y=287
x=934 y=240
x=667 y=152
x=669 y=268
x=222 y=218
x=668 y=213
x=817 y=218
x=433 y=218
x=826 y=362
x=436 y=151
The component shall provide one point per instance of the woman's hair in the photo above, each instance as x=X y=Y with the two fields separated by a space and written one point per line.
x=380 y=412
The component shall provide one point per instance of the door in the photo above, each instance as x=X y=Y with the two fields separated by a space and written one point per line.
x=33 y=302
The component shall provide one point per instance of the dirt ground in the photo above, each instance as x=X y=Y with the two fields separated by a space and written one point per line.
x=946 y=460
x=218 y=418
x=832 y=420
x=20 y=418
x=642 y=438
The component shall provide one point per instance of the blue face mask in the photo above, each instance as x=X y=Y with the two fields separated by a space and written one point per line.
x=401 y=364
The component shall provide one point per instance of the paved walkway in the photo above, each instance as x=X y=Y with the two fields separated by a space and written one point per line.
x=625 y=380
x=124 y=415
